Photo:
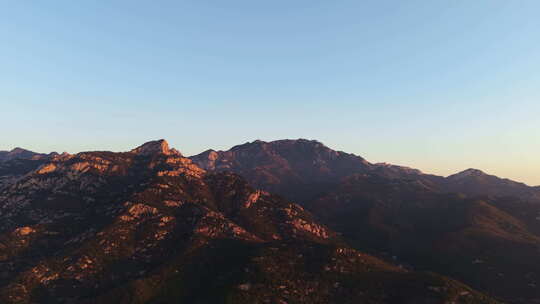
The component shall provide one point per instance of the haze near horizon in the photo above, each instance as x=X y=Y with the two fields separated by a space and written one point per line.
x=438 y=86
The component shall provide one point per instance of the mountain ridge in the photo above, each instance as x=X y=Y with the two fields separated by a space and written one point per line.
x=258 y=141
x=150 y=226
x=20 y=153
x=444 y=183
x=340 y=199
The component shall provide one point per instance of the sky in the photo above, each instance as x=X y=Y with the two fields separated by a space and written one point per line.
x=441 y=86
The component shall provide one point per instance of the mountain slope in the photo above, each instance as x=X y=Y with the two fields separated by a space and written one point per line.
x=287 y=167
x=425 y=221
x=11 y=171
x=303 y=169
x=149 y=226
x=18 y=162
x=19 y=153
x=468 y=239
x=476 y=182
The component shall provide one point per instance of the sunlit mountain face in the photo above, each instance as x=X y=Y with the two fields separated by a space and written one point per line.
x=290 y=221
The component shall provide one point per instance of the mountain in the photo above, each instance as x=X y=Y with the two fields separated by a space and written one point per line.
x=303 y=169
x=18 y=162
x=287 y=167
x=150 y=226
x=16 y=153
x=19 y=153
x=11 y=171
x=476 y=182
x=478 y=228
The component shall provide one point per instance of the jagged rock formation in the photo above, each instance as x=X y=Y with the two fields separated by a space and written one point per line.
x=150 y=226
x=155 y=147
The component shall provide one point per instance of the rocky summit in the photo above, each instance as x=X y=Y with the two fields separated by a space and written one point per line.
x=155 y=147
x=290 y=221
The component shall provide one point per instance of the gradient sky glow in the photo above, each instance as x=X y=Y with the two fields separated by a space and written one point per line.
x=436 y=85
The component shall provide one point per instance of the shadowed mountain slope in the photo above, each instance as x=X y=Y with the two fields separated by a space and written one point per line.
x=19 y=153
x=472 y=239
x=287 y=167
x=424 y=221
x=302 y=169
x=476 y=182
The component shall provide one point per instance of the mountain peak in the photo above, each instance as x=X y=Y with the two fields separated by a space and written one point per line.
x=467 y=173
x=18 y=153
x=18 y=150
x=160 y=146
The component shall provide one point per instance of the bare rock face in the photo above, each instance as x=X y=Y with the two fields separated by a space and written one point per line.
x=207 y=160
x=24 y=230
x=155 y=147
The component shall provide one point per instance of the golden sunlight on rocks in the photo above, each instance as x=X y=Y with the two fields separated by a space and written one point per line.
x=254 y=197
x=190 y=170
x=139 y=210
x=24 y=231
x=158 y=146
x=173 y=203
x=48 y=168
x=312 y=228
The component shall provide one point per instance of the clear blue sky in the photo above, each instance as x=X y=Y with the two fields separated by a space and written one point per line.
x=437 y=85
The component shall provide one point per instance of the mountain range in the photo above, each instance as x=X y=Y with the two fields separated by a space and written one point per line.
x=288 y=221
x=289 y=164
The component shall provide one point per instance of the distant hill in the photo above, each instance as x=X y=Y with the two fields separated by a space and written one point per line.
x=18 y=162
x=19 y=153
x=292 y=167
x=476 y=182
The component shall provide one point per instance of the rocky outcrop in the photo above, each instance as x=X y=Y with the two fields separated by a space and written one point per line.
x=160 y=146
